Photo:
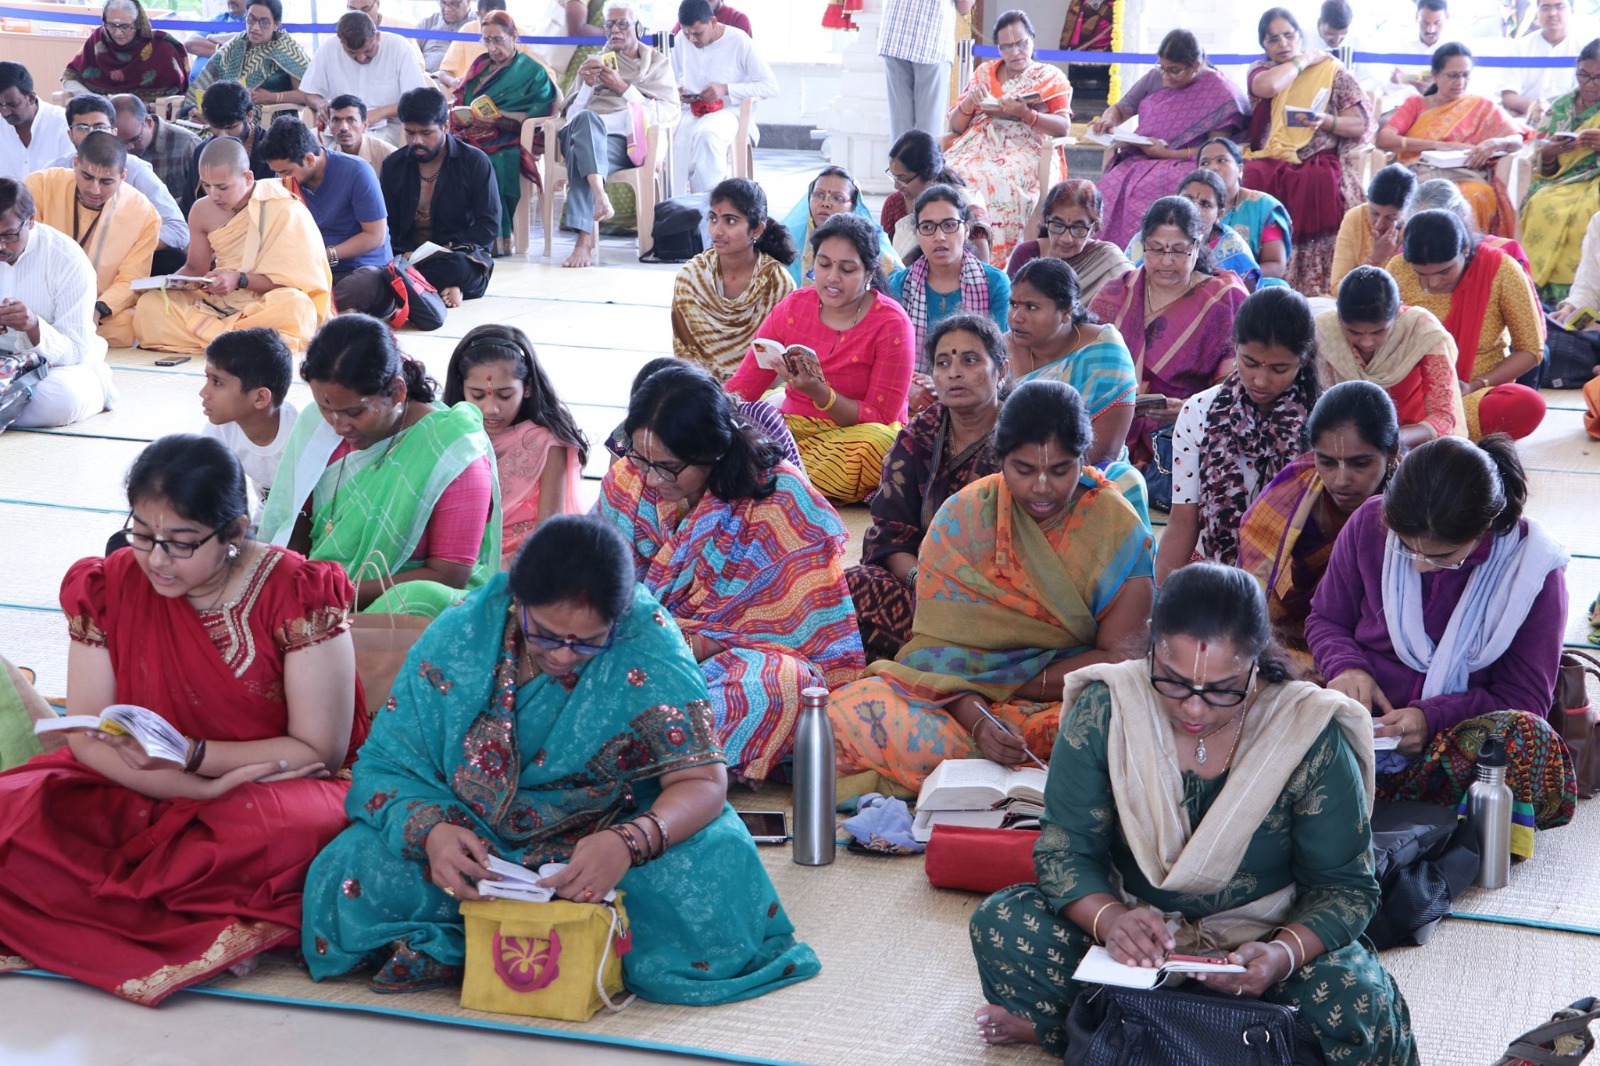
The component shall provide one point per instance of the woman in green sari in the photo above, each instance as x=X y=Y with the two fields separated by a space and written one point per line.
x=517 y=87
x=1258 y=849
x=555 y=716
x=1565 y=191
x=264 y=59
x=399 y=491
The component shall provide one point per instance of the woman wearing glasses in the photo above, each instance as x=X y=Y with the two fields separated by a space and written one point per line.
x=1199 y=800
x=264 y=59
x=554 y=716
x=141 y=875
x=1233 y=438
x=721 y=295
x=1176 y=317
x=945 y=279
x=1443 y=610
x=1180 y=104
x=1309 y=117
x=1012 y=108
x=1448 y=118
x=830 y=193
x=399 y=491
x=1229 y=252
x=1565 y=192
x=742 y=552
x=516 y=87
x=1023 y=577
x=124 y=54
x=1071 y=213
x=915 y=162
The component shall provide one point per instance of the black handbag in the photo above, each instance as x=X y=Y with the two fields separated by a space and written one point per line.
x=1424 y=856
x=1112 y=1026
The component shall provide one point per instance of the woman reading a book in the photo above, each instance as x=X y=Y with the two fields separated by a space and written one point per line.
x=1200 y=801
x=1449 y=119
x=1565 y=192
x=1443 y=610
x=503 y=88
x=399 y=491
x=1483 y=297
x=140 y=875
x=1024 y=576
x=554 y=716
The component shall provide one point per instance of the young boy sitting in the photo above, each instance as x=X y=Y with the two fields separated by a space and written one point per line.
x=247 y=380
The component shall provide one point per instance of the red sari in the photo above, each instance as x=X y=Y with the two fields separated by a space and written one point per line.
x=143 y=897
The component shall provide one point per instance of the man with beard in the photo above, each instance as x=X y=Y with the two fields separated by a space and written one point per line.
x=229 y=114
x=34 y=132
x=441 y=189
x=347 y=122
x=49 y=311
x=261 y=255
x=114 y=224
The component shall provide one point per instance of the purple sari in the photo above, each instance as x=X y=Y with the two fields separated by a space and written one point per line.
x=1183 y=118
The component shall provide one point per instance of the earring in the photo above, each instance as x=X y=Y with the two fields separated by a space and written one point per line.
x=233 y=552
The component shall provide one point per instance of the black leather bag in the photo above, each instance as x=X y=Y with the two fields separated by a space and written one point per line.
x=1112 y=1026
x=1424 y=857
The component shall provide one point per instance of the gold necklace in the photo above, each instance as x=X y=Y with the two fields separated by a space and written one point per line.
x=1200 y=746
x=333 y=506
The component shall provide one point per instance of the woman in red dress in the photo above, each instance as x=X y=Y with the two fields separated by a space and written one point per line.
x=142 y=876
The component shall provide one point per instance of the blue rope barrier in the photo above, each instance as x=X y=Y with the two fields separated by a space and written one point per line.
x=1234 y=59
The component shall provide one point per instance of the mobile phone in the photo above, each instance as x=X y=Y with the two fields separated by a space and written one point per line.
x=1149 y=399
x=173 y=360
x=767 y=827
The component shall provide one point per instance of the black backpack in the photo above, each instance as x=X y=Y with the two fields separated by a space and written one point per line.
x=676 y=235
x=1424 y=856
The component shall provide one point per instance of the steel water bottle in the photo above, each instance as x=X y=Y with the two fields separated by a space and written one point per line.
x=1489 y=808
x=814 y=781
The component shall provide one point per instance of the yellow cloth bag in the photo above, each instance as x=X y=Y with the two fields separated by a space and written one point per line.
x=545 y=960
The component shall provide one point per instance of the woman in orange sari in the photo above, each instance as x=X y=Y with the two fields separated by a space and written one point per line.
x=1448 y=118
x=1011 y=109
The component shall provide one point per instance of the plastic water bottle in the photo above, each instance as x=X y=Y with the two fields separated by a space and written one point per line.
x=814 y=781
x=1489 y=807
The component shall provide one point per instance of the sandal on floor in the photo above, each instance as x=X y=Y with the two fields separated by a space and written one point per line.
x=412 y=971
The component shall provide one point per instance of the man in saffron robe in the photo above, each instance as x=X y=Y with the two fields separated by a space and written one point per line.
x=114 y=224
x=262 y=253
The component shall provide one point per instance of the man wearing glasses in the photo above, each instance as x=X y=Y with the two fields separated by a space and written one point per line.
x=452 y=17
x=34 y=132
x=204 y=45
x=717 y=72
x=617 y=93
x=166 y=148
x=1542 y=84
x=360 y=60
x=48 y=312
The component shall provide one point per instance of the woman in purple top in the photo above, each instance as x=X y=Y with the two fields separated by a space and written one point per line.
x=1443 y=610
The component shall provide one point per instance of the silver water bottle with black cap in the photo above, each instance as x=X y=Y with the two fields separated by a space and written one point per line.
x=1489 y=808
x=814 y=781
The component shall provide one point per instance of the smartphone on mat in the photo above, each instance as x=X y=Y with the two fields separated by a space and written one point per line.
x=767 y=827
x=173 y=360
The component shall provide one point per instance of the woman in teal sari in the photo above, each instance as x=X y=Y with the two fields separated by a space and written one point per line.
x=518 y=88
x=399 y=491
x=830 y=192
x=1258 y=850
x=1054 y=338
x=555 y=716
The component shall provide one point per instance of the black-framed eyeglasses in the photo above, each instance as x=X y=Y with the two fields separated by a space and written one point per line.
x=1587 y=79
x=945 y=225
x=666 y=473
x=1077 y=229
x=546 y=641
x=175 y=549
x=257 y=23
x=1174 y=689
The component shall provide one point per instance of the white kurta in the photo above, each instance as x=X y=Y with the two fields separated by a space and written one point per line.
x=48 y=143
x=395 y=70
x=55 y=280
x=700 y=147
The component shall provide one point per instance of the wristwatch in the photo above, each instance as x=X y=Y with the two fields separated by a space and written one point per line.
x=102 y=309
x=244 y=280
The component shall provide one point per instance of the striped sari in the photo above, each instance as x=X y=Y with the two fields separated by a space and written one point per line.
x=714 y=331
x=999 y=599
x=1467 y=120
x=758 y=582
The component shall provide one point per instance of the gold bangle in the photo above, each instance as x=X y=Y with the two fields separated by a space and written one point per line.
x=1094 y=926
x=1297 y=940
x=833 y=398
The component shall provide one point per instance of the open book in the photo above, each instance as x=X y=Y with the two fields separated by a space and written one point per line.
x=519 y=882
x=1306 y=117
x=977 y=792
x=425 y=250
x=167 y=281
x=154 y=733
x=1115 y=137
x=1445 y=158
x=1099 y=968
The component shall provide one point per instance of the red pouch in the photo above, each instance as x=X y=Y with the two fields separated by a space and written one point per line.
x=980 y=860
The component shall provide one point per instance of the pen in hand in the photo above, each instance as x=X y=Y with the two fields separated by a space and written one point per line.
x=1040 y=763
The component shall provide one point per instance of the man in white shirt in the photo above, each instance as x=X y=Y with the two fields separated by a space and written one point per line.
x=362 y=61
x=48 y=308
x=917 y=40
x=716 y=73
x=34 y=133
x=369 y=8
x=616 y=92
x=90 y=113
x=1530 y=84
x=450 y=18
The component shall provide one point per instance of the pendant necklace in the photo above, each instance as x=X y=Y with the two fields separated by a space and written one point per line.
x=1200 y=747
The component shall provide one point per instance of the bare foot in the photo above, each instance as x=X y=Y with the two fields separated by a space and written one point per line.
x=602 y=206
x=582 y=252
x=996 y=1025
x=451 y=296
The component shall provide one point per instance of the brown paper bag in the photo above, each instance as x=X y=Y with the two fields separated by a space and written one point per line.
x=382 y=643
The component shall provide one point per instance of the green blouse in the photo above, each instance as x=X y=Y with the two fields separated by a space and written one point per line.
x=1317 y=835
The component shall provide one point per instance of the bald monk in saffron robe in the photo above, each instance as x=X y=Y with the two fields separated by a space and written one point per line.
x=114 y=224
x=261 y=252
